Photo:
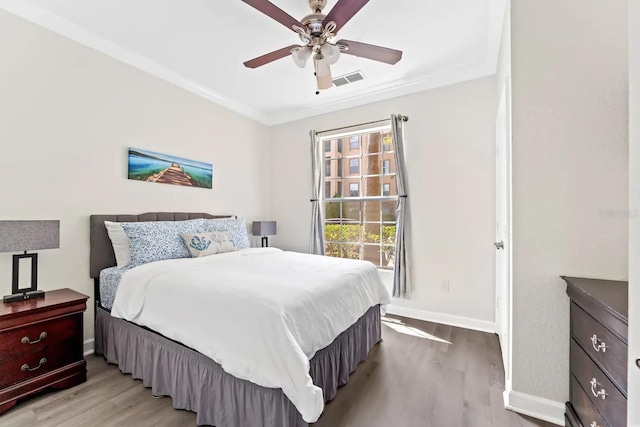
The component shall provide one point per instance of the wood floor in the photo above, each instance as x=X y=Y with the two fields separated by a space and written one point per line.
x=422 y=375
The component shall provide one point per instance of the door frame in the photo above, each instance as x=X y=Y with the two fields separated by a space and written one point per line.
x=633 y=385
x=503 y=296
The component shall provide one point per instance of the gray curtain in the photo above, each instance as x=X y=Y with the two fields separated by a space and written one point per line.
x=317 y=162
x=401 y=288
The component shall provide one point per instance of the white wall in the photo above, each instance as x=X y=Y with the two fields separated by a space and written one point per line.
x=450 y=164
x=67 y=115
x=633 y=389
x=570 y=161
x=504 y=57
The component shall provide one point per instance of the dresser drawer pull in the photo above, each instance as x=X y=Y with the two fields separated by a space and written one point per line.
x=26 y=340
x=594 y=424
x=26 y=367
x=597 y=393
x=598 y=344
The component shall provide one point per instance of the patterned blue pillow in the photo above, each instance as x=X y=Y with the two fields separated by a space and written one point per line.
x=236 y=228
x=159 y=240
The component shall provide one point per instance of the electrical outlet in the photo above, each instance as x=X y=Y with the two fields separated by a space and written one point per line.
x=445 y=285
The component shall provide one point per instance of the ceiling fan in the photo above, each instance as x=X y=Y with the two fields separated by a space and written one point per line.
x=316 y=31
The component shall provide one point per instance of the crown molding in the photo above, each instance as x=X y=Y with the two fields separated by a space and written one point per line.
x=402 y=87
x=77 y=33
x=388 y=91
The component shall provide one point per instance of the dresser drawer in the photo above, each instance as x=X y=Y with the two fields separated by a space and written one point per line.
x=587 y=413
x=608 y=400
x=31 y=365
x=601 y=345
x=37 y=336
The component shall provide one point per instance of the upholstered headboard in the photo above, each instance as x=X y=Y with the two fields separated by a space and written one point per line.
x=101 y=254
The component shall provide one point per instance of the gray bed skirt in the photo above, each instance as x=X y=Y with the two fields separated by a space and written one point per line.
x=197 y=383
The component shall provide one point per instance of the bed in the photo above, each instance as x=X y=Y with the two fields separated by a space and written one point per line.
x=193 y=379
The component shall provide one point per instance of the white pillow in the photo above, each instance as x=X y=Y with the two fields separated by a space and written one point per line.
x=120 y=243
x=205 y=244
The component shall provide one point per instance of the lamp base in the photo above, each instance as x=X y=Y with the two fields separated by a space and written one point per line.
x=23 y=296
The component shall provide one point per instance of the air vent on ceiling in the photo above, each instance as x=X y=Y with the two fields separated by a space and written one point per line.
x=348 y=78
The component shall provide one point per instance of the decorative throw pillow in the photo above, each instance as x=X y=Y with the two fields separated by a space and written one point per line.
x=236 y=228
x=159 y=240
x=205 y=244
x=120 y=243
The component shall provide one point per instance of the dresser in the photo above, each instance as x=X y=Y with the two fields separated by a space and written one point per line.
x=598 y=347
x=41 y=345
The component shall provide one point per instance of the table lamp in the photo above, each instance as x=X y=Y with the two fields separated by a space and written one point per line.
x=264 y=229
x=23 y=236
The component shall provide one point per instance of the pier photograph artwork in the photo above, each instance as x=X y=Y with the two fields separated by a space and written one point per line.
x=145 y=165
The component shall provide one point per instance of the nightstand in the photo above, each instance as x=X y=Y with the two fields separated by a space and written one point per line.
x=41 y=345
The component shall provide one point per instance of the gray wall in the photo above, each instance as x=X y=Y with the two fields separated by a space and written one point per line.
x=570 y=162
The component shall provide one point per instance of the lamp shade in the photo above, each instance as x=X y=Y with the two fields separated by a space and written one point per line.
x=301 y=56
x=331 y=53
x=16 y=236
x=264 y=228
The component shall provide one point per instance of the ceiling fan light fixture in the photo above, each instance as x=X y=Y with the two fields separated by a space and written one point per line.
x=301 y=56
x=330 y=53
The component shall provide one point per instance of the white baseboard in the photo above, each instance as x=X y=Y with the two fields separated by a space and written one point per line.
x=443 y=318
x=88 y=346
x=534 y=406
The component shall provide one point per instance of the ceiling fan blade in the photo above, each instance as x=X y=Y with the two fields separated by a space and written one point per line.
x=270 y=57
x=369 y=51
x=343 y=11
x=274 y=12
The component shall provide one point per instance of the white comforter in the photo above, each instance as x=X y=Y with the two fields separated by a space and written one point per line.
x=260 y=313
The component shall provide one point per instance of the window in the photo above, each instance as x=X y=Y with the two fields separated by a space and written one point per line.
x=386 y=143
x=354 y=189
x=327 y=168
x=327 y=146
x=339 y=146
x=386 y=167
x=354 y=166
x=354 y=143
x=360 y=205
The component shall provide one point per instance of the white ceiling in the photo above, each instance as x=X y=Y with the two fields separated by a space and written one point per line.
x=201 y=44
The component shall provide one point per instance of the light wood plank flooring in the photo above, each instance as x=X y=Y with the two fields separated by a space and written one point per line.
x=422 y=375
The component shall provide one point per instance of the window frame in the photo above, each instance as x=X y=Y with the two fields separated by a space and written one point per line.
x=357 y=166
x=344 y=179
x=356 y=142
x=351 y=190
x=386 y=170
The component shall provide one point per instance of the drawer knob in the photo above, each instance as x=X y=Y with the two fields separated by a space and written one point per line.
x=594 y=424
x=598 y=344
x=597 y=393
x=26 y=367
x=26 y=340
x=638 y=363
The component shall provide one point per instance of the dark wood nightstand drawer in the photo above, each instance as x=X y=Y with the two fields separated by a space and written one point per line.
x=587 y=413
x=601 y=345
x=609 y=401
x=33 y=364
x=41 y=345
x=37 y=336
